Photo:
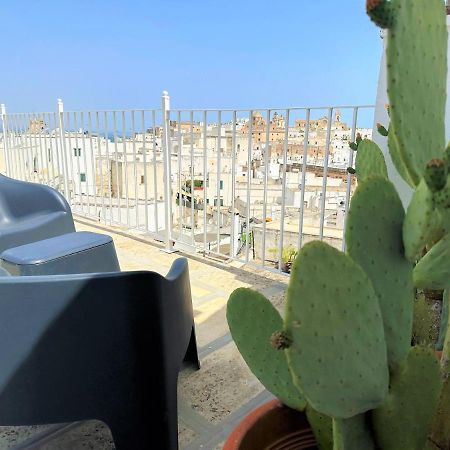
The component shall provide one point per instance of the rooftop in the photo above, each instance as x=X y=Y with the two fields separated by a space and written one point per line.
x=212 y=400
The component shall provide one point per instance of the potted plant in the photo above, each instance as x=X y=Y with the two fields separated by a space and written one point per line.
x=288 y=255
x=342 y=353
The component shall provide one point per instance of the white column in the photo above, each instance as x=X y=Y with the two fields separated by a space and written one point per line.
x=64 y=156
x=236 y=232
x=5 y=139
x=167 y=178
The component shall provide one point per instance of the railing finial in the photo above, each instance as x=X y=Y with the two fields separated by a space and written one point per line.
x=60 y=106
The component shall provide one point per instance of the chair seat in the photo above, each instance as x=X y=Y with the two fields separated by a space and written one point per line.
x=81 y=252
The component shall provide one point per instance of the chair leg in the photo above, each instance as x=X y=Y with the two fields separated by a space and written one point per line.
x=191 y=355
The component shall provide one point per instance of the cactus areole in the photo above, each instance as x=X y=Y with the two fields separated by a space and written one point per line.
x=345 y=355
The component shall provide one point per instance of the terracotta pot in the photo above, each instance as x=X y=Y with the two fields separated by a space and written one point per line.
x=272 y=426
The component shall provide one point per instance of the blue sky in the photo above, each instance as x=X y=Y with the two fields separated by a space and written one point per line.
x=206 y=53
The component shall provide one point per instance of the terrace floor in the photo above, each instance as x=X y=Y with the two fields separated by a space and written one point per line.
x=212 y=400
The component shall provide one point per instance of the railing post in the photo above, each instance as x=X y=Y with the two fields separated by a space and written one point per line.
x=62 y=138
x=167 y=178
x=5 y=139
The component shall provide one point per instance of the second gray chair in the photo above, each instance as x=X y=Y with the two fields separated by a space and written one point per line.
x=31 y=212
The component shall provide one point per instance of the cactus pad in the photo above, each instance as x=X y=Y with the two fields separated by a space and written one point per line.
x=421 y=224
x=442 y=198
x=398 y=159
x=403 y=420
x=252 y=320
x=440 y=430
x=444 y=321
x=322 y=427
x=417 y=68
x=369 y=161
x=436 y=174
x=338 y=351
x=433 y=270
x=353 y=433
x=374 y=240
x=382 y=130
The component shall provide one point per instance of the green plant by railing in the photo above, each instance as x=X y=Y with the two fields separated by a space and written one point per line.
x=343 y=350
x=288 y=255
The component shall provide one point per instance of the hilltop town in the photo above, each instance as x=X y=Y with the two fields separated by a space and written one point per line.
x=228 y=174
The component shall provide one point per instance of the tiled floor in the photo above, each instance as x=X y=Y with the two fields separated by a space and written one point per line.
x=211 y=400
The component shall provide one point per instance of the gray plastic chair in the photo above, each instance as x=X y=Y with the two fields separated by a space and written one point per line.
x=102 y=346
x=31 y=212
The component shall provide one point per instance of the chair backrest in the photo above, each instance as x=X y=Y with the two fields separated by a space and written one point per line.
x=21 y=198
x=75 y=347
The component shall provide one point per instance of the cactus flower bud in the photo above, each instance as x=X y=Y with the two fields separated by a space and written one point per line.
x=380 y=12
x=280 y=340
x=436 y=174
x=353 y=146
x=351 y=170
x=382 y=130
x=358 y=138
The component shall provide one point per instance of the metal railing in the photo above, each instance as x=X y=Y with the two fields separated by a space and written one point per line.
x=250 y=185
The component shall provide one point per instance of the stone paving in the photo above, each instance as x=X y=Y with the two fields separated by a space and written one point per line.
x=212 y=400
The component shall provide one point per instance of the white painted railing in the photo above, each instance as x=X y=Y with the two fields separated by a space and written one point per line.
x=249 y=185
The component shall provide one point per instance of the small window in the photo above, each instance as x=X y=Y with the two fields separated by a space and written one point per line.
x=82 y=177
x=142 y=179
x=221 y=202
x=49 y=155
x=221 y=184
x=77 y=151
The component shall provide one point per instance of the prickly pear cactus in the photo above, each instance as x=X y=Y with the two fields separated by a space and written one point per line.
x=322 y=427
x=253 y=320
x=397 y=157
x=344 y=346
x=417 y=76
x=433 y=270
x=440 y=429
x=369 y=161
x=344 y=372
x=374 y=240
x=353 y=433
x=403 y=420
x=422 y=222
x=380 y=12
x=444 y=320
x=435 y=174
